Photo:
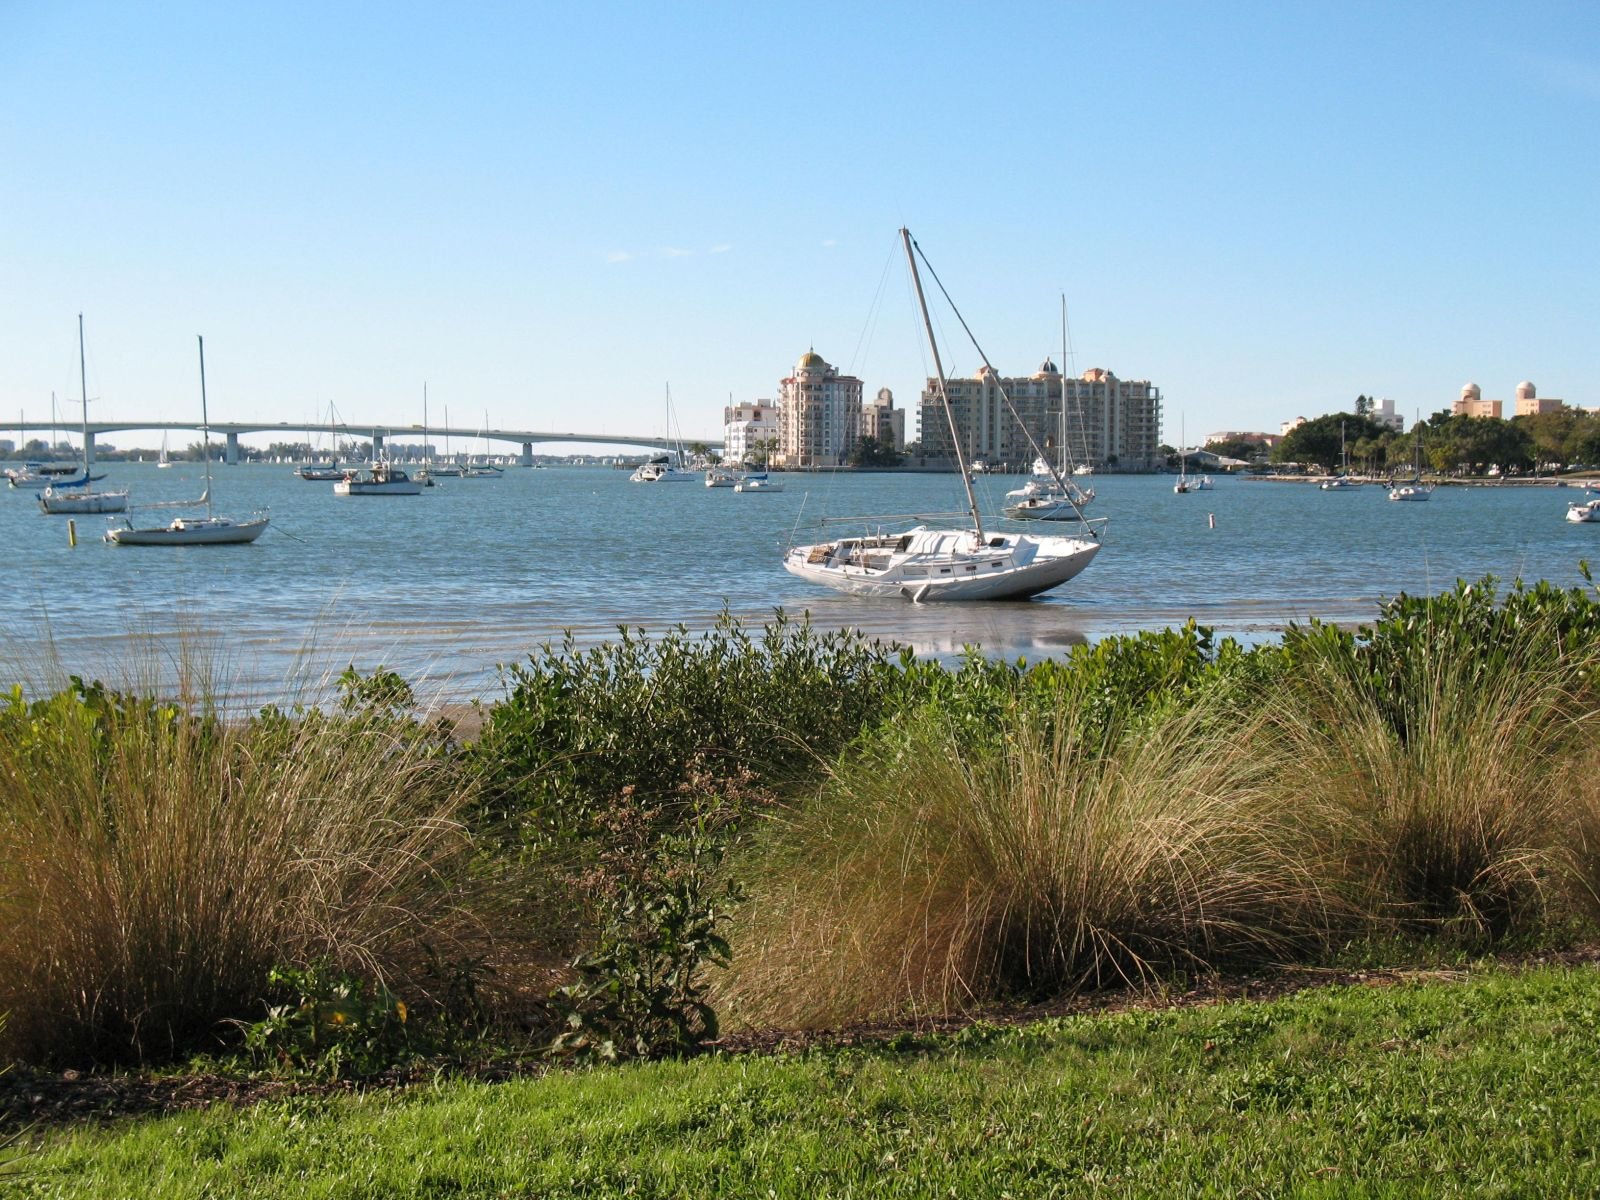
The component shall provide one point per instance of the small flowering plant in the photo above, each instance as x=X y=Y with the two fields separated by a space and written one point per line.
x=329 y=1023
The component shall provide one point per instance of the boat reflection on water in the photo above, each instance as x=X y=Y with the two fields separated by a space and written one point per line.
x=999 y=628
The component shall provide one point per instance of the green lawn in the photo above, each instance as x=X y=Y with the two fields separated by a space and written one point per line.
x=1488 y=1086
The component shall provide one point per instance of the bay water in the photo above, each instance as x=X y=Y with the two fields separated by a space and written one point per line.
x=445 y=586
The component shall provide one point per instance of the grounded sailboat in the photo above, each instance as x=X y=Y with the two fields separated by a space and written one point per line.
x=926 y=564
x=76 y=496
x=209 y=530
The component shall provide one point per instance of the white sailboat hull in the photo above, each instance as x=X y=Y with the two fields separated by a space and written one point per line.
x=191 y=531
x=1410 y=492
x=77 y=503
x=1584 y=513
x=1044 y=508
x=934 y=564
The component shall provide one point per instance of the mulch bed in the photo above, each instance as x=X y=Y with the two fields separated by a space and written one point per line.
x=40 y=1099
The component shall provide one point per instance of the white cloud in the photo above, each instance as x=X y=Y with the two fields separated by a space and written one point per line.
x=721 y=248
x=618 y=256
x=675 y=252
x=830 y=242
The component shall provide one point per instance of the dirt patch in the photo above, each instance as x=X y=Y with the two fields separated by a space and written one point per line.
x=40 y=1099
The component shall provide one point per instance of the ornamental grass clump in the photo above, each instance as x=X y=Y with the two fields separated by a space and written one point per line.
x=156 y=864
x=1446 y=771
x=931 y=875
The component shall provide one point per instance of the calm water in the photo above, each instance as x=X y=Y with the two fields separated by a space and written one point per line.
x=473 y=573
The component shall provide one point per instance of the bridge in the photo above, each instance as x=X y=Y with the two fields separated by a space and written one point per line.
x=526 y=438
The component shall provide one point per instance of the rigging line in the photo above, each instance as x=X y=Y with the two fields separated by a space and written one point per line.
x=869 y=325
x=917 y=339
x=995 y=375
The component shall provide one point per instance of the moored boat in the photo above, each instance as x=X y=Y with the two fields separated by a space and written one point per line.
x=381 y=478
x=77 y=497
x=1585 y=512
x=209 y=530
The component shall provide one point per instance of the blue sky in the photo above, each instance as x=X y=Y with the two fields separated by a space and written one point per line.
x=550 y=213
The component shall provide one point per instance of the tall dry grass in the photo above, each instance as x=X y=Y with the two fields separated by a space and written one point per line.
x=929 y=877
x=154 y=866
x=1449 y=781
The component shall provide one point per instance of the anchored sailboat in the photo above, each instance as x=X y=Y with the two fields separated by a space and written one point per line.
x=75 y=496
x=209 y=530
x=1051 y=495
x=923 y=563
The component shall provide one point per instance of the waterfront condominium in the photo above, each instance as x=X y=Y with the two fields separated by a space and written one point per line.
x=749 y=432
x=882 y=420
x=819 y=415
x=1110 y=422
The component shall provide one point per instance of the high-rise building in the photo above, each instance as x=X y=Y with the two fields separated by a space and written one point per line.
x=749 y=431
x=1109 y=421
x=880 y=419
x=819 y=415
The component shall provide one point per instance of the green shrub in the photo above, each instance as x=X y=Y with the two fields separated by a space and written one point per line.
x=576 y=727
x=640 y=992
x=326 y=1022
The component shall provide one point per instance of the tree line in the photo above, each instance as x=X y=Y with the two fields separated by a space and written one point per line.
x=1446 y=443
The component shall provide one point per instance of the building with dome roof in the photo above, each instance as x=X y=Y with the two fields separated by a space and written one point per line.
x=819 y=414
x=1472 y=403
x=1110 y=421
x=1531 y=404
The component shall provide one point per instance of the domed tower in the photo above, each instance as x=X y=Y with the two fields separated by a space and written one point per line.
x=1471 y=391
x=1525 y=391
x=819 y=414
x=1047 y=370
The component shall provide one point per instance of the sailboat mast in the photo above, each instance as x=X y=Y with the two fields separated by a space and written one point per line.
x=1066 y=452
x=944 y=396
x=83 y=377
x=205 y=423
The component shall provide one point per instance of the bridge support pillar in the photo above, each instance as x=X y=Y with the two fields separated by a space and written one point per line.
x=377 y=445
x=231 y=454
x=527 y=455
x=88 y=450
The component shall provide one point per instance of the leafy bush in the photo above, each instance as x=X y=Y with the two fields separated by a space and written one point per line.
x=640 y=992
x=330 y=1023
x=577 y=727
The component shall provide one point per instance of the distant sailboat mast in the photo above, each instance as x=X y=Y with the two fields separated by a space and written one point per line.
x=205 y=424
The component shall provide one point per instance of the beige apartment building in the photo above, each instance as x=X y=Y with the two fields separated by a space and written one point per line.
x=1472 y=403
x=1531 y=404
x=880 y=419
x=1109 y=421
x=819 y=415
x=749 y=431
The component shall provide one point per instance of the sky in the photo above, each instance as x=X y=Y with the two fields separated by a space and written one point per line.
x=553 y=214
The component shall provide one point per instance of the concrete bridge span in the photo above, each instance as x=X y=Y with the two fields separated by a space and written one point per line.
x=527 y=439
